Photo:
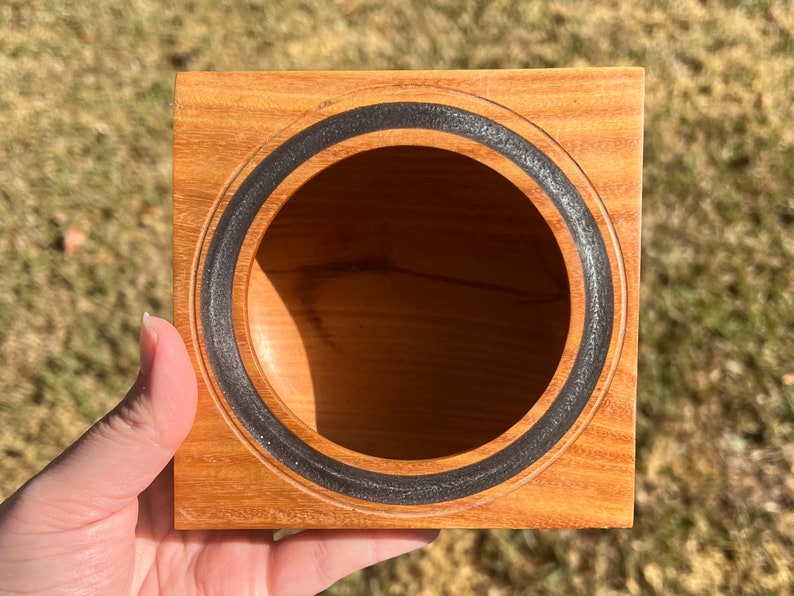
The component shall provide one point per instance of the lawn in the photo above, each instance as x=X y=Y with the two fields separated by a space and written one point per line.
x=85 y=247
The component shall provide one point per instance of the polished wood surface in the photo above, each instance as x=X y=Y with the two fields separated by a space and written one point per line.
x=428 y=318
x=408 y=301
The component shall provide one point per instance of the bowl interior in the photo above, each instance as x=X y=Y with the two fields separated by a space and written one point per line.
x=408 y=303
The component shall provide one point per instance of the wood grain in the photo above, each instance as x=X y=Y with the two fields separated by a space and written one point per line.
x=408 y=301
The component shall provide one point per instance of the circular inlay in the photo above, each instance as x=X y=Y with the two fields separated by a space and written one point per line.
x=596 y=299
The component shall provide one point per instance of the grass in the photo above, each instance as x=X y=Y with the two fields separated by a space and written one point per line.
x=85 y=92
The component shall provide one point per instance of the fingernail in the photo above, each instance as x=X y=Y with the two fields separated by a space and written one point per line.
x=148 y=344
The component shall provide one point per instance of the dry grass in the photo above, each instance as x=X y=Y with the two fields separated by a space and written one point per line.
x=85 y=149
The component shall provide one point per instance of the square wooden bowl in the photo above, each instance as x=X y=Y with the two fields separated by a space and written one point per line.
x=411 y=298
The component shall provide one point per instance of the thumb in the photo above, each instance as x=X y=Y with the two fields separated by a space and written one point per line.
x=120 y=456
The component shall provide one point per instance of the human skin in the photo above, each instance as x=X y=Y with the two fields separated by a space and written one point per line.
x=98 y=519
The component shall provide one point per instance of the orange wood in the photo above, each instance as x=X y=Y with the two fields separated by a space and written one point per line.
x=409 y=301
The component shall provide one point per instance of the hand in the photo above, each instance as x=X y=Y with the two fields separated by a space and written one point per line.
x=98 y=519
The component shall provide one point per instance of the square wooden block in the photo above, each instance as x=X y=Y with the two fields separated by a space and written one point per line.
x=411 y=298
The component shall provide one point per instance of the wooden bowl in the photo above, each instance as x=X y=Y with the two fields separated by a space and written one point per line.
x=411 y=298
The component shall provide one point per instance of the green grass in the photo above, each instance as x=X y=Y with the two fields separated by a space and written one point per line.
x=85 y=92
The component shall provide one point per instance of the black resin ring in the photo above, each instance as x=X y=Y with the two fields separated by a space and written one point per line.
x=274 y=437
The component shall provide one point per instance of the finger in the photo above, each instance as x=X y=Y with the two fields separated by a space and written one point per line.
x=311 y=561
x=125 y=451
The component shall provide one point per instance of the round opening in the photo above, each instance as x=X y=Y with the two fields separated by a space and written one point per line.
x=408 y=303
